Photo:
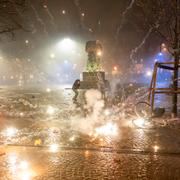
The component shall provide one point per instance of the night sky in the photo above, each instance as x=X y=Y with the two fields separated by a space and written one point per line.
x=119 y=29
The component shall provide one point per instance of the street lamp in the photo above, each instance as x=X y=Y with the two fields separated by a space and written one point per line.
x=149 y=73
x=67 y=44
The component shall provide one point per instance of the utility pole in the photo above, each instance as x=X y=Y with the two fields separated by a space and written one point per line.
x=176 y=58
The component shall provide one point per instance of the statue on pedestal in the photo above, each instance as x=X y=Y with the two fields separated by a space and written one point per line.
x=94 y=50
x=94 y=77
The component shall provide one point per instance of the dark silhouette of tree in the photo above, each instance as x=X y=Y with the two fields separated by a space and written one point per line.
x=163 y=17
x=11 y=16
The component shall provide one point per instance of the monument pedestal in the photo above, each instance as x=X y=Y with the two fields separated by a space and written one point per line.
x=93 y=80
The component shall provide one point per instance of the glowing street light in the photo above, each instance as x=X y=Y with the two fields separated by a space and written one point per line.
x=67 y=45
x=160 y=54
x=52 y=55
x=149 y=73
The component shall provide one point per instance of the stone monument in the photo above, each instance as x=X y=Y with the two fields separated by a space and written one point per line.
x=94 y=77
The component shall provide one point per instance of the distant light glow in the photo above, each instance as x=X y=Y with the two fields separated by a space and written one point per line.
x=50 y=110
x=72 y=138
x=31 y=76
x=164 y=49
x=21 y=114
x=160 y=54
x=115 y=68
x=63 y=12
x=90 y=30
x=48 y=90
x=52 y=55
x=149 y=73
x=66 y=62
x=107 y=112
x=67 y=45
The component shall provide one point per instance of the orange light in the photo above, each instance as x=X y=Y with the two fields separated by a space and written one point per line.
x=164 y=49
x=115 y=68
x=99 y=53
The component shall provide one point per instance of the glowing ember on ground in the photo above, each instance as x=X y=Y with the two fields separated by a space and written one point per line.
x=10 y=132
x=101 y=139
x=21 y=114
x=90 y=134
x=95 y=135
x=107 y=112
x=53 y=147
x=139 y=122
x=50 y=110
x=156 y=148
x=72 y=138
x=86 y=153
x=37 y=142
x=25 y=175
x=23 y=165
x=12 y=159
x=48 y=90
x=109 y=129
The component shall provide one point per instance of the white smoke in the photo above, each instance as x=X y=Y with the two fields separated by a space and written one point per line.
x=92 y=112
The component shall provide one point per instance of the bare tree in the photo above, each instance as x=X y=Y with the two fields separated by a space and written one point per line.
x=11 y=16
x=163 y=16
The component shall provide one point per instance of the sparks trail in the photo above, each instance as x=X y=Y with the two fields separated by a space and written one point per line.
x=50 y=16
x=81 y=17
x=38 y=18
x=135 y=50
x=123 y=17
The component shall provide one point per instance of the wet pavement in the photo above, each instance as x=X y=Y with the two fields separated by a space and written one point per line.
x=44 y=136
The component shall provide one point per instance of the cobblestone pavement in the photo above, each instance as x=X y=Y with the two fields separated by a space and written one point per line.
x=38 y=142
